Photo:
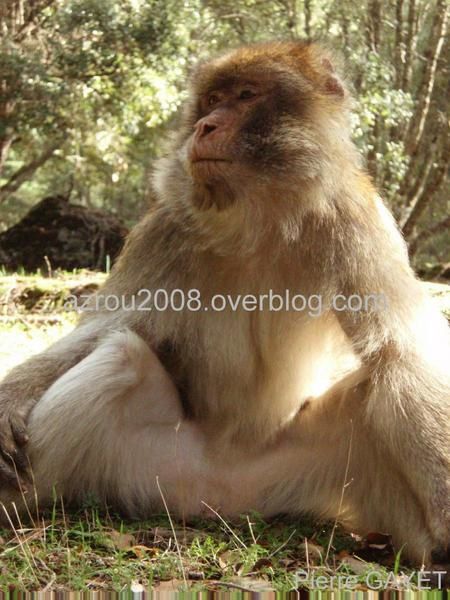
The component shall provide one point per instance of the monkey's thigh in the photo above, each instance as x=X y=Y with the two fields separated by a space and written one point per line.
x=98 y=421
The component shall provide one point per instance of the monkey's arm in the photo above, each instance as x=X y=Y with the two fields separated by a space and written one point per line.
x=24 y=386
x=406 y=345
x=26 y=383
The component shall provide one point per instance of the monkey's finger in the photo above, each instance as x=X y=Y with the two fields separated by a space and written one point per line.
x=19 y=458
x=12 y=457
x=19 y=430
x=9 y=476
x=16 y=460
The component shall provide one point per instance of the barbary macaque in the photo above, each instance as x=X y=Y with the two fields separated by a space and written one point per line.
x=343 y=413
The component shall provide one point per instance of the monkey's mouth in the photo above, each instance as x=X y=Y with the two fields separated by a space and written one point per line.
x=210 y=160
x=207 y=167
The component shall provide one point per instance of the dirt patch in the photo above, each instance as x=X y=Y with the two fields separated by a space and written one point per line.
x=58 y=235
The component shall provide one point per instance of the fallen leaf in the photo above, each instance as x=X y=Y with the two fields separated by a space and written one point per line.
x=122 y=541
x=357 y=566
x=173 y=585
x=313 y=551
x=163 y=534
x=252 y=584
x=229 y=558
x=141 y=551
x=261 y=563
x=195 y=575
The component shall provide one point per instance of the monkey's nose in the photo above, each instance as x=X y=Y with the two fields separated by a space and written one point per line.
x=205 y=129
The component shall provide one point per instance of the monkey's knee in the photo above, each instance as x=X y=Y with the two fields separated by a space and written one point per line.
x=121 y=377
x=111 y=395
x=154 y=398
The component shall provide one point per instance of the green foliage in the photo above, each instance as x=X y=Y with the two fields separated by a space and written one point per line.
x=90 y=79
x=103 y=81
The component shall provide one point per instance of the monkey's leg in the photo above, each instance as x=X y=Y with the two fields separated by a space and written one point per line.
x=336 y=468
x=407 y=404
x=112 y=426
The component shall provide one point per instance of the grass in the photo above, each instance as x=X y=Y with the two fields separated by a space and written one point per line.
x=90 y=548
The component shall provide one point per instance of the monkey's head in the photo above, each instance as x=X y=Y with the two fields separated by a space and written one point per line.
x=260 y=118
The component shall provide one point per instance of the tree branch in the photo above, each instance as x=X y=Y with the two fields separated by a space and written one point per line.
x=5 y=145
x=27 y=171
x=420 y=166
x=29 y=25
x=425 y=196
x=425 y=235
x=307 y=13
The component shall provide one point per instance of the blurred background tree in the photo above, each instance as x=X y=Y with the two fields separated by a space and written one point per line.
x=89 y=88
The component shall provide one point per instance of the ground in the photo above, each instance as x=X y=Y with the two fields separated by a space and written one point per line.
x=90 y=548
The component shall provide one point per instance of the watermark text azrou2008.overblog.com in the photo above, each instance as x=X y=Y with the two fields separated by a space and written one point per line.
x=179 y=300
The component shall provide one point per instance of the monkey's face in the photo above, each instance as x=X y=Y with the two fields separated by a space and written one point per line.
x=256 y=121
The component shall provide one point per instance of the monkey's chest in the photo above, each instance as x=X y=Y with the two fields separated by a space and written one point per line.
x=249 y=371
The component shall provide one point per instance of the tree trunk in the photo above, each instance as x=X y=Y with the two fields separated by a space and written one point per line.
x=5 y=145
x=410 y=43
x=418 y=122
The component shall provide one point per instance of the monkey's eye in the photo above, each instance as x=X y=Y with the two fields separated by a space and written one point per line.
x=246 y=95
x=213 y=99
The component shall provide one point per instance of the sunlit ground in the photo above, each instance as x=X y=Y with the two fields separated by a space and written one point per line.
x=32 y=313
x=19 y=340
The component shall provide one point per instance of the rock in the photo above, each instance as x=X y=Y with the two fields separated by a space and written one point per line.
x=58 y=235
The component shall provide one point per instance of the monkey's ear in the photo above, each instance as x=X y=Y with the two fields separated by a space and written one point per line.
x=333 y=84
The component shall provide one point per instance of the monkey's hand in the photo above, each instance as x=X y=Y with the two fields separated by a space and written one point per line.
x=22 y=388
x=14 y=464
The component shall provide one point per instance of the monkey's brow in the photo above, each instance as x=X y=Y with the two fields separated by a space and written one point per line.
x=223 y=82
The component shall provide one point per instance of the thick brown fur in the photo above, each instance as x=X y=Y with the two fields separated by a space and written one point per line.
x=270 y=411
